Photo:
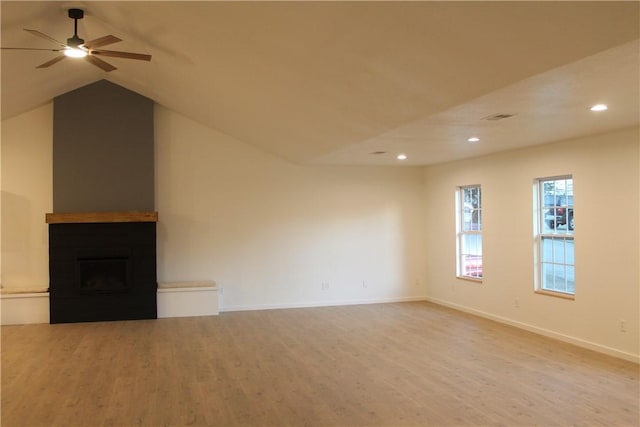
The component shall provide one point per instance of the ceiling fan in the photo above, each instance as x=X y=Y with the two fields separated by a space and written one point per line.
x=78 y=48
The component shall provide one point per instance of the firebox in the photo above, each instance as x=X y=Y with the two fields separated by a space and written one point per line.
x=100 y=270
x=103 y=275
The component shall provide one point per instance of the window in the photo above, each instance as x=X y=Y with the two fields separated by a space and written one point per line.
x=469 y=232
x=554 y=229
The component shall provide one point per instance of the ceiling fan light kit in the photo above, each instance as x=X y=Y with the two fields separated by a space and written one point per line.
x=74 y=53
x=76 y=47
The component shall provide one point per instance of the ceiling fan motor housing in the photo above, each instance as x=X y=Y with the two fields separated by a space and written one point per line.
x=75 y=41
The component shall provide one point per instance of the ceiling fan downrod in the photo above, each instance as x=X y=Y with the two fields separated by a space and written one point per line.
x=75 y=41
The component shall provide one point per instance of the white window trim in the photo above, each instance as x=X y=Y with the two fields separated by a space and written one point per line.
x=460 y=231
x=540 y=235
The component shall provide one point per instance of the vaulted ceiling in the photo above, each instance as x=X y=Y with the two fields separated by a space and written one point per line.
x=333 y=82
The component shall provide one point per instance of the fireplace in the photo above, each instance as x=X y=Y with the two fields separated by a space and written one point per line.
x=102 y=234
x=102 y=266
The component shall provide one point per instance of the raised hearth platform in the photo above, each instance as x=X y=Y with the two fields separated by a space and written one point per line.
x=187 y=299
x=21 y=306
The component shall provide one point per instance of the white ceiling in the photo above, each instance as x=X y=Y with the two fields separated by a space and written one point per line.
x=332 y=82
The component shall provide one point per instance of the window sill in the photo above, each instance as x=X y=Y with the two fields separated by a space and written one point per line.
x=469 y=279
x=555 y=294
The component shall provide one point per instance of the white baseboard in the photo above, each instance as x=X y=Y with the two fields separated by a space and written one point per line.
x=320 y=304
x=24 y=308
x=540 y=331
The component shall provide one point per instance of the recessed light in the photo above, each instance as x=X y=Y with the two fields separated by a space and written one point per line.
x=599 y=107
x=473 y=139
x=401 y=157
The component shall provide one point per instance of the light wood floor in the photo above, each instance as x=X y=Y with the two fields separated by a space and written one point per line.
x=372 y=365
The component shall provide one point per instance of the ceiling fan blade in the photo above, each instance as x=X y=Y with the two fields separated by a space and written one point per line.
x=105 y=66
x=30 y=48
x=44 y=36
x=102 y=41
x=118 y=54
x=51 y=62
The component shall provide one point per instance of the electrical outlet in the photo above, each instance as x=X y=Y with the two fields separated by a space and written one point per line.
x=364 y=284
x=516 y=303
x=325 y=286
x=221 y=290
x=623 y=325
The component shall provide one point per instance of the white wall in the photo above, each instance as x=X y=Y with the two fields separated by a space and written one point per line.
x=270 y=233
x=605 y=175
x=26 y=197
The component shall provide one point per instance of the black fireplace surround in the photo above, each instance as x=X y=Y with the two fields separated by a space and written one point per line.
x=102 y=271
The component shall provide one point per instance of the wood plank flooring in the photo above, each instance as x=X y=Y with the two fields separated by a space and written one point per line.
x=404 y=364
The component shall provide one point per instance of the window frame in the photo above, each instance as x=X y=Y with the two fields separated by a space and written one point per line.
x=542 y=234
x=462 y=232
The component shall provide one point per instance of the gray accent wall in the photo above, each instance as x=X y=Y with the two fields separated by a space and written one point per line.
x=103 y=150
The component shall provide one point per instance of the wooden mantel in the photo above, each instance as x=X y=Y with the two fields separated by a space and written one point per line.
x=99 y=217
